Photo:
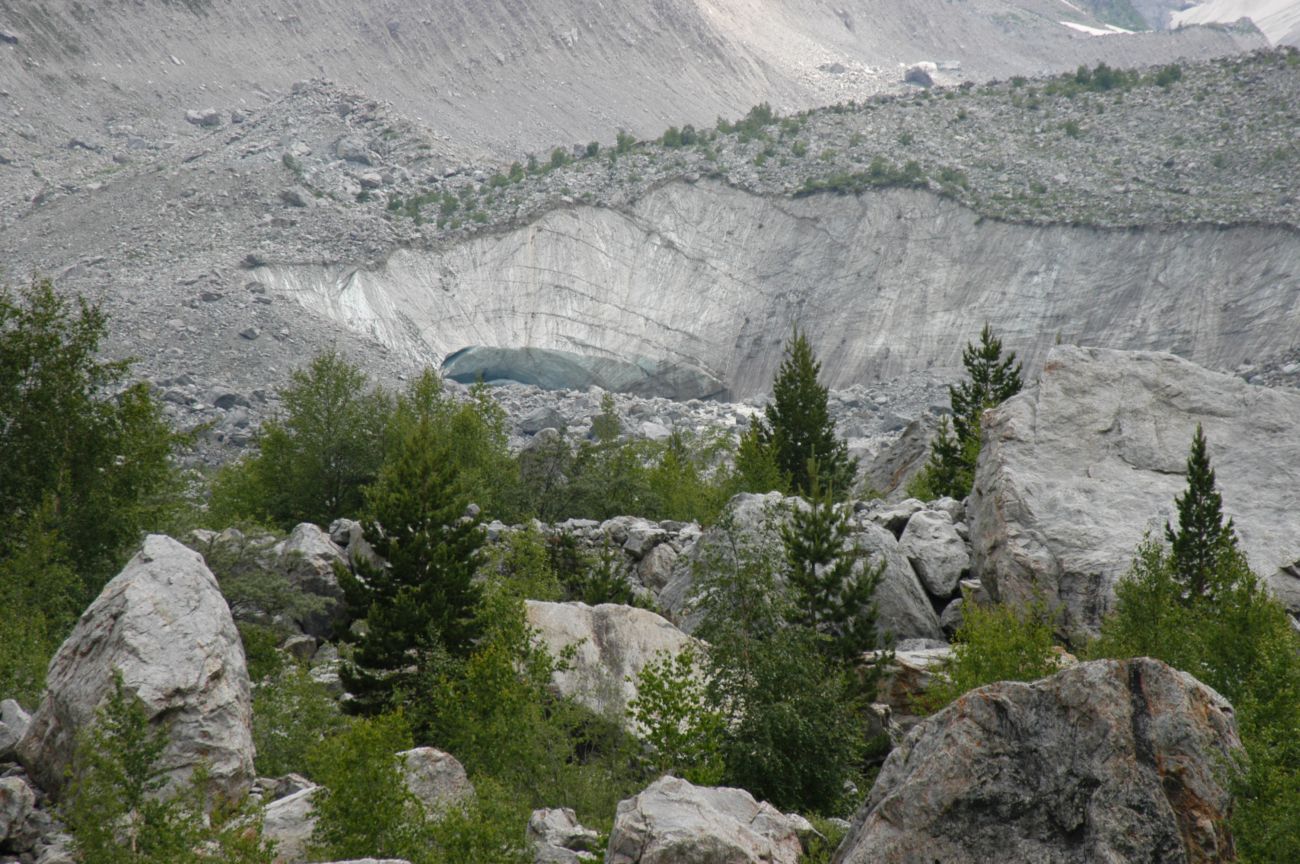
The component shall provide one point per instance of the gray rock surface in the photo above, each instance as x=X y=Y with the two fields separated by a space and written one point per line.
x=936 y=551
x=13 y=725
x=613 y=643
x=673 y=821
x=1105 y=761
x=435 y=778
x=559 y=838
x=289 y=822
x=163 y=624
x=1074 y=471
x=17 y=800
x=903 y=610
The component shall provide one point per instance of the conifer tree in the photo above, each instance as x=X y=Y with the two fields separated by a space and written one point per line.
x=992 y=380
x=1203 y=539
x=798 y=426
x=831 y=594
x=422 y=602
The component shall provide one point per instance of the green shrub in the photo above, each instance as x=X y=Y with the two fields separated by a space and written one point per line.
x=292 y=715
x=683 y=733
x=363 y=808
x=119 y=811
x=996 y=643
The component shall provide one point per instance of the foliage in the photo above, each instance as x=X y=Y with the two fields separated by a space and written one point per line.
x=261 y=650
x=996 y=643
x=991 y=380
x=831 y=589
x=797 y=427
x=313 y=461
x=685 y=482
x=822 y=846
x=496 y=712
x=119 y=811
x=292 y=714
x=683 y=734
x=795 y=721
x=1202 y=542
x=424 y=598
x=1234 y=637
x=363 y=808
x=86 y=457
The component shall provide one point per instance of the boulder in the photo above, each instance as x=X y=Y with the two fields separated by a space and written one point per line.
x=559 y=838
x=1074 y=472
x=13 y=725
x=903 y=611
x=655 y=570
x=435 y=778
x=17 y=800
x=921 y=74
x=307 y=558
x=206 y=117
x=613 y=644
x=163 y=625
x=1105 y=761
x=673 y=821
x=890 y=469
x=289 y=822
x=544 y=417
x=936 y=551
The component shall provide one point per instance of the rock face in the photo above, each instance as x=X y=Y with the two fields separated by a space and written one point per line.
x=1073 y=472
x=614 y=644
x=1105 y=761
x=422 y=303
x=673 y=821
x=163 y=624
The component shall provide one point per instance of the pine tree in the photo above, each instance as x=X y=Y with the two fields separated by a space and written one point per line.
x=831 y=592
x=992 y=380
x=798 y=426
x=1203 y=539
x=422 y=602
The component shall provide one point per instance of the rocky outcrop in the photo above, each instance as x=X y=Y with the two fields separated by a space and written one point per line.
x=613 y=644
x=672 y=821
x=163 y=625
x=559 y=838
x=1075 y=471
x=1105 y=761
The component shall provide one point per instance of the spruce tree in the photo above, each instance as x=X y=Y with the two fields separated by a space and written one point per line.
x=798 y=426
x=1203 y=539
x=992 y=380
x=831 y=593
x=422 y=602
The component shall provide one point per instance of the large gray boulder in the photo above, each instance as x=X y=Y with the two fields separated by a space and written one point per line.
x=673 y=821
x=164 y=626
x=1074 y=472
x=17 y=800
x=289 y=822
x=613 y=643
x=903 y=611
x=936 y=551
x=1105 y=761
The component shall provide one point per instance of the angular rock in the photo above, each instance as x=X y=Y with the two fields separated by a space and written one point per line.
x=895 y=516
x=207 y=117
x=13 y=725
x=289 y=822
x=435 y=778
x=1105 y=761
x=614 y=643
x=163 y=624
x=936 y=552
x=655 y=570
x=17 y=800
x=542 y=418
x=890 y=469
x=672 y=821
x=921 y=74
x=903 y=610
x=307 y=558
x=1074 y=472
x=559 y=838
